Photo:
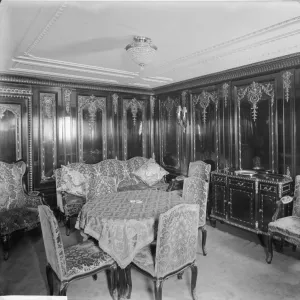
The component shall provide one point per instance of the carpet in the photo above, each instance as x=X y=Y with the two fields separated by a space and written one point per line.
x=234 y=269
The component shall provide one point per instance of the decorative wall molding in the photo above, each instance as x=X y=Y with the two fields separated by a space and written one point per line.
x=225 y=92
x=72 y=84
x=47 y=115
x=67 y=99
x=134 y=105
x=93 y=104
x=15 y=91
x=16 y=110
x=152 y=105
x=272 y=65
x=115 y=98
x=46 y=29
x=287 y=83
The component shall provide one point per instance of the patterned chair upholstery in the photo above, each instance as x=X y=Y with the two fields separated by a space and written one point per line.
x=196 y=190
x=18 y=209
x=68 y=264
x=287 y=228
x=175 y=249
x=200 y=169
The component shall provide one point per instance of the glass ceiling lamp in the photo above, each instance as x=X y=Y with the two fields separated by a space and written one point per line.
x=142 y=50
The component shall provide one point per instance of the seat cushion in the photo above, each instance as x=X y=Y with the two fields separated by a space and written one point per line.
x=18 y=219
x=162 y=186
x=72 y=204
x=85 y=257
x=145 y=259
x=288 y=226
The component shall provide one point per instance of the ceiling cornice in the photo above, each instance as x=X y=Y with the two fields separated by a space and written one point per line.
x=267 y=66
x=7 y=78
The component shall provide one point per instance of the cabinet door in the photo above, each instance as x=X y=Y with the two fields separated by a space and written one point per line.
x=241 y=206
x=267 y=208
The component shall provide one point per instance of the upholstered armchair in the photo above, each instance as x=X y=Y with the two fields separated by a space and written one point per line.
x=72 y=263
x=18 y=209
x=175 y=249
x=287 y=228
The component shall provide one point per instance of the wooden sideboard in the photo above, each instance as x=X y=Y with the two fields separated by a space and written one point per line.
x=247 y=201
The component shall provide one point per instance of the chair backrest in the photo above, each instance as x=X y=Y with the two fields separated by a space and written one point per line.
x=11 y=185
x=195 y=190
x=52 y=241
x=200 y=169
x=296 y=204
x=176 y=239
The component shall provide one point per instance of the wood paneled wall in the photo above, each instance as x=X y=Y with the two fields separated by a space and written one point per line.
x=50 y=126
x=241 y=123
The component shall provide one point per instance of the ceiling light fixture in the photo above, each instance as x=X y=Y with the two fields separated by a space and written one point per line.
x=141 y=50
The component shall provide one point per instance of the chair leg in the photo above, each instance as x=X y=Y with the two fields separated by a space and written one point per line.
x=129 y=281
x=158 y=289
x=270 y=248
x=6 y=245
x=63 y=289
x=49 y=279
x=179 y=275
x=204 y=235
x=194 y=270
x=68 y=225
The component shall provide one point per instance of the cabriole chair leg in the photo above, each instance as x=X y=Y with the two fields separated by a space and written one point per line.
x=270 y=248
x=194 y=270
x=49 y=279
x=204 y=235
x=68 y=225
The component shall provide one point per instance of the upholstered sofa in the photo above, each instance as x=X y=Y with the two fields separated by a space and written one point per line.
x=69 y=205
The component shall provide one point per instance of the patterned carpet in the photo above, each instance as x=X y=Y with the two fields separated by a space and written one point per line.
x=234 y=268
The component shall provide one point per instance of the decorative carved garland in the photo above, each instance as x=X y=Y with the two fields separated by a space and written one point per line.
x=152 y=105
x=254 y=93
x=225 y=92
x=115 y=98
x=286 y=78
x=67 y=98
x=134 y=105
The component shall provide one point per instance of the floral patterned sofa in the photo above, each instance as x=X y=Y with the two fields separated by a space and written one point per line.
x=122 y=171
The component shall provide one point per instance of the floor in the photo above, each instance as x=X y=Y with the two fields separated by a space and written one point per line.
x=234 y=268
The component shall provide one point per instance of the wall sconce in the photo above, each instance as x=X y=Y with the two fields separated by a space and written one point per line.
x=182 y=116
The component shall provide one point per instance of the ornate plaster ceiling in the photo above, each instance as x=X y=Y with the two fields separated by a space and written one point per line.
x=85 y=41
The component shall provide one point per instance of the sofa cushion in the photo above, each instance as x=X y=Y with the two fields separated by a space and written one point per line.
x=99 y=185
x=150 y=172
x=134 y=164
x=72 y=204
x=73 y=182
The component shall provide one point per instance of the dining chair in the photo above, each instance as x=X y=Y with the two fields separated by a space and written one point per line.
x=175 y=250
x=72 y=263
x=196 y=190
x=286 y=228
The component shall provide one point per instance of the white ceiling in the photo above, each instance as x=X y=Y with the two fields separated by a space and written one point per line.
x=85 y=41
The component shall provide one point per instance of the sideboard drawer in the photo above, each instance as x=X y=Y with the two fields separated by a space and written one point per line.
x=244 y=184
x=264 y=187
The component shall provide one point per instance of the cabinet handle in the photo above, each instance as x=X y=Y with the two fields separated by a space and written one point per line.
x=229 y=203
x=260 y=211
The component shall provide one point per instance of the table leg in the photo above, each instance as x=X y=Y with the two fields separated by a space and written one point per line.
x=123 y=283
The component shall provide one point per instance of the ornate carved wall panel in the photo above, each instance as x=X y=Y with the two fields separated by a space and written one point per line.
x=16 y=127
x=115 y=126
x=48 y=135
x=255 y=107
x=135 y=128
x=205 y=122
x=170 y=133
x=92 y=129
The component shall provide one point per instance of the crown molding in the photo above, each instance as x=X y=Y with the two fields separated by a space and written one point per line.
x=267 y=66
x=7 y=78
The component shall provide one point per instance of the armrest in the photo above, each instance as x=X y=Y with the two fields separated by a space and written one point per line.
x=34 y=199
x=282 y=201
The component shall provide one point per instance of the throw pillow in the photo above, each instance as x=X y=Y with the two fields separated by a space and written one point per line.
x=150 y=172
x=99 y=185
x=73 y=182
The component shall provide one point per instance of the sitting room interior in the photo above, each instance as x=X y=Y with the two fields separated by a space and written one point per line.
x=123 y=125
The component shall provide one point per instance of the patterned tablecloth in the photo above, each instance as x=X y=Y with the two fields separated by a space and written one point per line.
x=125 y=222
